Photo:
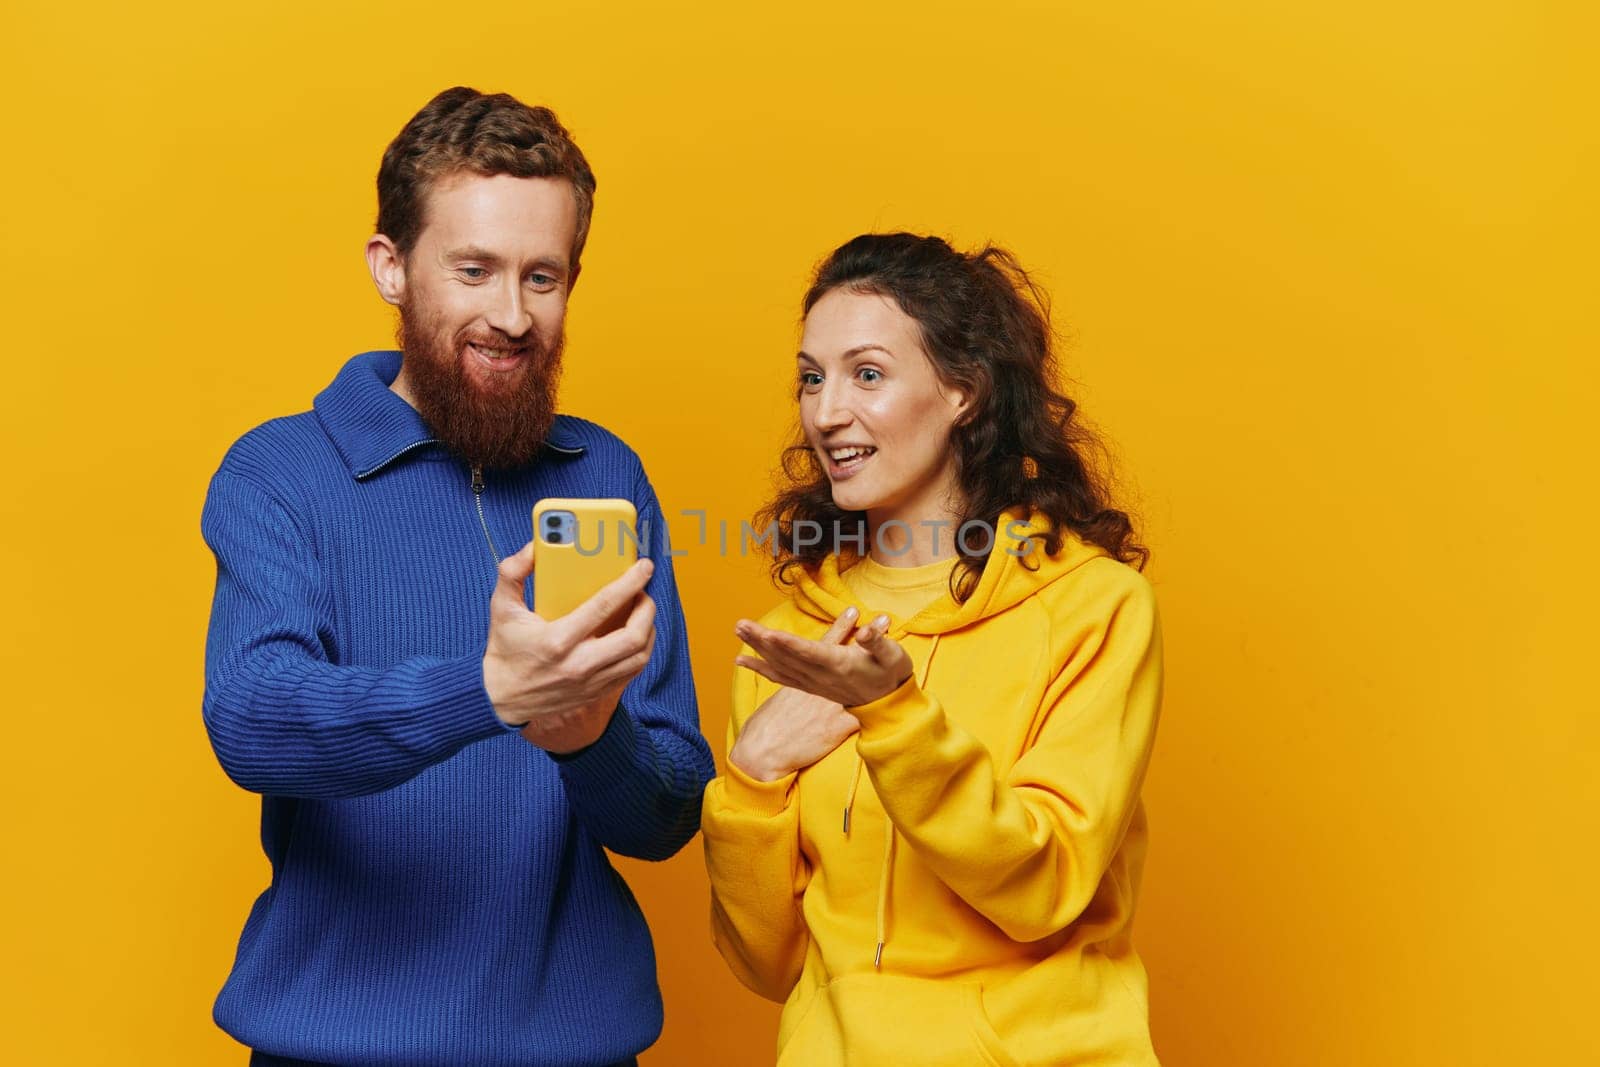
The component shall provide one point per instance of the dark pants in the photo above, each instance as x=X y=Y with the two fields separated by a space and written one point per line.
x=261 y=1059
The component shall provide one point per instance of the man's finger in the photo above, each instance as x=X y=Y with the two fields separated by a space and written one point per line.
x=512 y=576
x=642 y=619
x=626 y=669
x=592 y=614
x=624 y=641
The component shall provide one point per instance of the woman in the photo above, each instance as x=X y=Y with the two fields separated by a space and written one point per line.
x=929 y=838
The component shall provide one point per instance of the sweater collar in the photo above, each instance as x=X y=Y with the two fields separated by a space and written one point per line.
x=372 y=426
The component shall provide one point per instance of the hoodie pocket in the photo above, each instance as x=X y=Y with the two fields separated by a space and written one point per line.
x=879 y=1020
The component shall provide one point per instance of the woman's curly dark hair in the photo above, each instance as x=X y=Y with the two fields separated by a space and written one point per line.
x=986 y=326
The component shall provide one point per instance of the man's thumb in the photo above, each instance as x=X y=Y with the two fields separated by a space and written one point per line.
x=514 y=571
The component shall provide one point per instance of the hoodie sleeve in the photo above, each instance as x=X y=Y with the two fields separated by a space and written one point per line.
x=1028 y=848
x=751 y=833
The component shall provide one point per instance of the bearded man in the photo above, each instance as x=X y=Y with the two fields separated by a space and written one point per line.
x=442 y=769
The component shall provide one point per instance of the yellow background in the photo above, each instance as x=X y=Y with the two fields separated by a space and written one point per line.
x=1329 y=274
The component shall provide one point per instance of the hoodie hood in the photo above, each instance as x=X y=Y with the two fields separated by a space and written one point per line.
x=1017 y=568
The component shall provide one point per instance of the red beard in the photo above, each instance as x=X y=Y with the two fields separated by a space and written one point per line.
x=498 y=425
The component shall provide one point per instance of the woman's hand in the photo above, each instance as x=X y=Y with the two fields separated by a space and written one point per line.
x=792 y=729
x=847 y=674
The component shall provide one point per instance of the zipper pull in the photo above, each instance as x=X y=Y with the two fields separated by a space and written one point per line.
x=477 y=481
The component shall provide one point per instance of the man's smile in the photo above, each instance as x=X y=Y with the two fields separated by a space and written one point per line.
x=498 y=359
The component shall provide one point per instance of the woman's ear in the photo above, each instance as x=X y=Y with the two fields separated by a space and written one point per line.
x=966 y=396
x=960 y=400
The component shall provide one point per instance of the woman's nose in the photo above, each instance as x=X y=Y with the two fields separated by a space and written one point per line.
x=830 y=412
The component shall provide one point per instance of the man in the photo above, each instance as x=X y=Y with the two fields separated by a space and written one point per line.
x=441 y=768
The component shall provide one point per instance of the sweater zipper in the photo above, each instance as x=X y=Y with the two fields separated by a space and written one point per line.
x=477 y=497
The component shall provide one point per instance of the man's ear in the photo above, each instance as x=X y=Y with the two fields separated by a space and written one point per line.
x=388 y=268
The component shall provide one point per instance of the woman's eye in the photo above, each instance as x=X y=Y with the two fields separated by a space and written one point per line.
x=870 y=375
x=810 y=379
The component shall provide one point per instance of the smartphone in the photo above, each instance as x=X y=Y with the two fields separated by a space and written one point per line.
x=579 y=546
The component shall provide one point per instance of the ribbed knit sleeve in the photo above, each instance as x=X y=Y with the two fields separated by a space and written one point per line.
x=283 y=719
x=638 y=787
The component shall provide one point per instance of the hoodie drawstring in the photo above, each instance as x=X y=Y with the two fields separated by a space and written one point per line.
x=883 y=897
x=850 y=797
x=888 y=845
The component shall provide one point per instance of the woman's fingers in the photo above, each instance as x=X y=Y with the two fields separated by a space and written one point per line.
x=839 y=632
x=873 y=630
x=883 y=650
x=795 y=653
x=829 y=668
x=765 y=669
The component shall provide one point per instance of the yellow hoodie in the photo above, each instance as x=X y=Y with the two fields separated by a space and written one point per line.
x=969 y=900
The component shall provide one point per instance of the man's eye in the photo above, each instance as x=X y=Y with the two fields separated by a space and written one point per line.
x=541 y=280
x=475 y=273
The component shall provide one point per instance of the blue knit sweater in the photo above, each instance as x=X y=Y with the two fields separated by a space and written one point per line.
x=440 y=893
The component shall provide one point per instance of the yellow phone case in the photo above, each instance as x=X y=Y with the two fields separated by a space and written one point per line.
x=604 y=542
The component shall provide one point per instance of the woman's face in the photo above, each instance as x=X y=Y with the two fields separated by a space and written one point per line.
x=874 y=410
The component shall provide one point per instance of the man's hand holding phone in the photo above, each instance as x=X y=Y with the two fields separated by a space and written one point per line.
x=560 y=679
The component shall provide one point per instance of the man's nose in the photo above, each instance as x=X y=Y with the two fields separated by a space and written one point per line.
x=508 y=312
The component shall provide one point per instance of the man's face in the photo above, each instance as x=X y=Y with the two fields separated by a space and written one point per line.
x=483 y=313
